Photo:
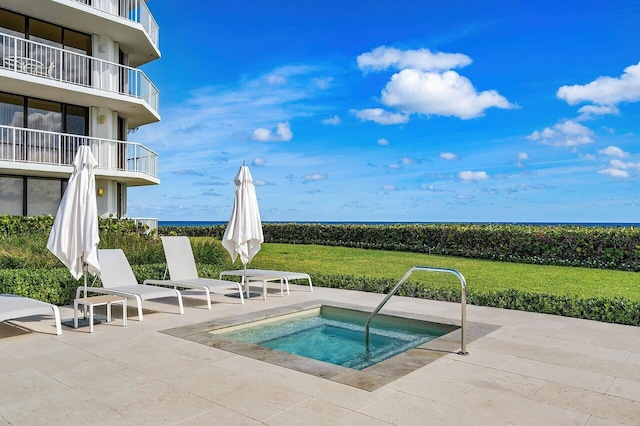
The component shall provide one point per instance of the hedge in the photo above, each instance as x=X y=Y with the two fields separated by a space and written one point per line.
x=593 y=247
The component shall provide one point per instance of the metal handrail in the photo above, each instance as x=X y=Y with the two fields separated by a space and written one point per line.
x=463 y=302
x=18 y=144
x=132 y=10
x=38 y=59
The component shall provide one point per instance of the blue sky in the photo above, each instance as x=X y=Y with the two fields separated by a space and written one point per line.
x=415 y=111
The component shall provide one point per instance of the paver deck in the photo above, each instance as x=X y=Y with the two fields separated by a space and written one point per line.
x=527 y=369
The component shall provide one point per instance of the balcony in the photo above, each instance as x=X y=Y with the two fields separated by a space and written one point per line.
x=128 y=22
x=42 y=153
x=119 y=86
x=133 y=10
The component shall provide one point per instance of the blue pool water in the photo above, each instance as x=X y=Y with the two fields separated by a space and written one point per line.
x=332 y=336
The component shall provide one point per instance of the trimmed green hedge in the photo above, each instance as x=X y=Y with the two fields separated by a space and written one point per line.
x=593 y=247
x=617 y=310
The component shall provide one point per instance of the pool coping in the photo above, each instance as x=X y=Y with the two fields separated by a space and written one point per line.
x=370 y=378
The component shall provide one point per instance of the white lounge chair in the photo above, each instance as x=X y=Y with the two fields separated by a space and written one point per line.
x=118 y=278
x=269 y=275
x=14 y=307
x=183 y=273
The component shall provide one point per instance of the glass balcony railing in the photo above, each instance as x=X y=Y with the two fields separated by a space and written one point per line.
x=41 y=60
x=36 y=146
x=133 y=10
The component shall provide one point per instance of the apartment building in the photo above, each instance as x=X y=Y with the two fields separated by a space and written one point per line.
x=69 y=76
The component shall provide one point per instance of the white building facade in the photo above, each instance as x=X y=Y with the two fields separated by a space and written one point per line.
x=69 y=77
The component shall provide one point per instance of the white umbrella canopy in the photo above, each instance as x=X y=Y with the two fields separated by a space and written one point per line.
x=74 y=236
x=243 y=236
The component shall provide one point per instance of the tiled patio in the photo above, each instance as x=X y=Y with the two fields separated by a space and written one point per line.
x=523 y=368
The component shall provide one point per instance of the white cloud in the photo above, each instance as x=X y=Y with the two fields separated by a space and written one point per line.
x=469 y=176
x=567 y=133
x=395 y=166
x=390 y=188
x=323 y=82
x=431 y=93
x=276 y=79
x=588 y=112
x=406 y=161
x=622 y=165
x=613 y=151
x=282 y=134
x=314 y=177
x=258 y=162
x=261 y=182
x=605 y=90
x=382 y=58
x=333 y=121
x=616 y=173
x=523 y=156
x=449 y=156
x=383 y=142
x=380 y=116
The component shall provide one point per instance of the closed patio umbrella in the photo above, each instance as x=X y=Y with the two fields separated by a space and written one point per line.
x=243 y=236
x=74 y=236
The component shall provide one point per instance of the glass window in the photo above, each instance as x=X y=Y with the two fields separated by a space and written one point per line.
x=45 y=115
x=11 y=110
x=11 y=194
x=76 y=120
x=12 y=23
x=77 y=42
x=45 y=33
x=43 y=196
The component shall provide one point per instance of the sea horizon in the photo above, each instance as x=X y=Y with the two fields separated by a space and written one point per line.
x=585 y=224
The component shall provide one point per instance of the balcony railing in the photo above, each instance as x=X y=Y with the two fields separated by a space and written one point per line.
x=133 y=10
x=36 y=146
x=41 y=60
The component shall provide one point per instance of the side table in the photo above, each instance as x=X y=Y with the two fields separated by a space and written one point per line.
x=90 y=302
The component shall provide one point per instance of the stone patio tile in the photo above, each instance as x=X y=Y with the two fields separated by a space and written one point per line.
x=502 y=407
x=103 y=379
x=485 y=358
x=317 y=412
x=197 y=351
x=634 y=358
x=522 y=350
x=157 y=403
x=612 y=368
x=404 y=409
x=596 y=421
x=261 y=401
x=600 y=405
x=27 y=383
x=198 y=377
x=63 y=361
x=331 y=392
x=11 y=364
x=220 y=416
x=490 y=378
x=545 y=342
x=624 y=388
x=61 y=409
x=563 y=375
x=30 y=345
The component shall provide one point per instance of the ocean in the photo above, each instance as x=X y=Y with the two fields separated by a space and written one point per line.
x=587 y=224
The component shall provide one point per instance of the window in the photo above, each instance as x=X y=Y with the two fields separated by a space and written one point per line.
x=12 y=195
x=43 y=196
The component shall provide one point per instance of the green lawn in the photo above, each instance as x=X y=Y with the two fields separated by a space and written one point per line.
x=481 y=275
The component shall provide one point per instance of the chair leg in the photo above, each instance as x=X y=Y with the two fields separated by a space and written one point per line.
x=139 y=303
x=241 y=295
x=180 y=302
x=56 y=316
x=208 y=294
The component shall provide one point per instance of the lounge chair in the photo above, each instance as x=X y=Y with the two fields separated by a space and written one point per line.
x=183 y=273
x=117 y=278
x=269 y=275
x=13 y=307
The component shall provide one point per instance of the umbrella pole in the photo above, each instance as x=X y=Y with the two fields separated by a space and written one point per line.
x=247 y=290
x=85 y=269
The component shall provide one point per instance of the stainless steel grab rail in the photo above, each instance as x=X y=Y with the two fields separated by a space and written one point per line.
x=463 y=302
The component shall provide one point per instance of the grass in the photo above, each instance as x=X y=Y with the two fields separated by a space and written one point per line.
x=481 y=275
